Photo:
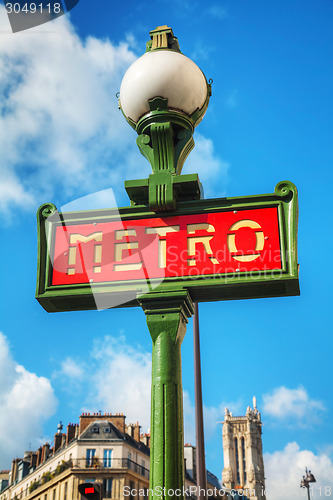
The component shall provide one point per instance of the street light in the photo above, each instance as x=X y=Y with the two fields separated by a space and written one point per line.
x=163 y=96
x=307 y=479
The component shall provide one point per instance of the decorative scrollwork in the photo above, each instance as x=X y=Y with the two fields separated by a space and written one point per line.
x=284 y=189
x=47 y=209
x=143 y=141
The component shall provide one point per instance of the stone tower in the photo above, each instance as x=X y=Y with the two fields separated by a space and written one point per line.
x=242 y=450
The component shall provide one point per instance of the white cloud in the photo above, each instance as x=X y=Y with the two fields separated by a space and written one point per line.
x=284 y=403
x=121 y=380
x=284 y=470
x=26 y=401
x=60 y=127
x=211 y=169
x=212 y=416
x=71 y=369
x=118 y=379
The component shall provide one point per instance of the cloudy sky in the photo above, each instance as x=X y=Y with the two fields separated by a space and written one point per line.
x=62 y=137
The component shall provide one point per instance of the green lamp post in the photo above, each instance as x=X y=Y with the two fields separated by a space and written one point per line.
x=163 y=96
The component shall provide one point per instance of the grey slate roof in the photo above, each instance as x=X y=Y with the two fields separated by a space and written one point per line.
x=103 y=430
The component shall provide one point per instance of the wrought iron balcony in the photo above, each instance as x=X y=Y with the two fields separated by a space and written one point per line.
x=108 y=464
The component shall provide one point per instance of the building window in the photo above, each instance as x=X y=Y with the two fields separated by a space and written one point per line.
x=107 y=458
x=54 y=494
x=129 y=460
x=244 y=459
x=237 y=461
x=107 y=487
x=45 y=496
x=90 y=453
x=65 y=491
x=95 y=430
x=131 y=489
x=143 y=467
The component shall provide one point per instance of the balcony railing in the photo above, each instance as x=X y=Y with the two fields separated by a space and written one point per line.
x=108 y=464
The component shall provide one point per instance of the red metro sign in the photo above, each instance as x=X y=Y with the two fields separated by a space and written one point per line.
x=167 y=247
x=216 y=249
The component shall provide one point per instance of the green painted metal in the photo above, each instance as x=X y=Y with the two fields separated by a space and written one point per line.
x=165 y=139
x=278 y=283
x=167 y=316
x=162 y=38
x=43 y=246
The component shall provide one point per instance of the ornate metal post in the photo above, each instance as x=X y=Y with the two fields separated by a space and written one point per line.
x=163 y=96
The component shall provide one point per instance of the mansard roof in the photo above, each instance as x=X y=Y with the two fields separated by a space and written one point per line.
x=103 y=430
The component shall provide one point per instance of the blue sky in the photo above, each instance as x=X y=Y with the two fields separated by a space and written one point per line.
x=62 y=137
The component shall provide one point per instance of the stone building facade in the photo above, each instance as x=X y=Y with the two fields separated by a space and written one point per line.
x=100 y=448
x=243 y=456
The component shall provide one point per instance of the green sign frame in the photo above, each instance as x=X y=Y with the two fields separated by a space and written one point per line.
x=276 y=283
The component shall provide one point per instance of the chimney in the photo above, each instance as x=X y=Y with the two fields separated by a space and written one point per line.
x=39 y=456
x=57 y=442
x=130 y=430
x=45 y=452
x=14 y=469
x=71 y=428
x=145 y=439
x=33 y=459
x=137 y=429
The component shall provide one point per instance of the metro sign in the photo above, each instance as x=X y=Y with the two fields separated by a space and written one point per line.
x=217 y=249
x=181 y=246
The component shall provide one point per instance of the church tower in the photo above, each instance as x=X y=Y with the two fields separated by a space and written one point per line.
x=242 y=451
